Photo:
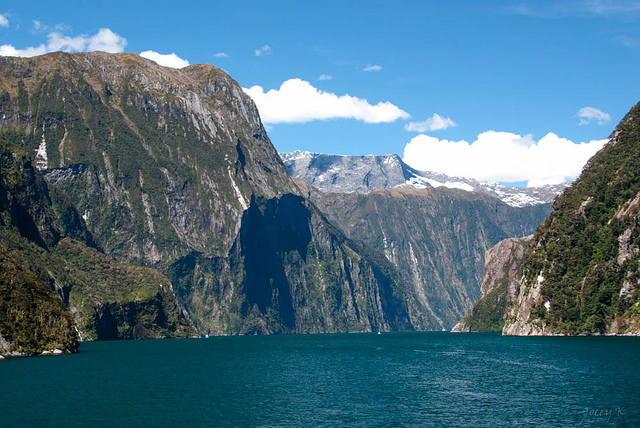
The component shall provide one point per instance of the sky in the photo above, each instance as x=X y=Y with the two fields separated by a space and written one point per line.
x=511 y=91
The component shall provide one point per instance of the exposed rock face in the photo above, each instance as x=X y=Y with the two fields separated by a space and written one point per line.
x=363 y=174
x=436 y=237
x=581 y=274
x=171 y=156
x=289 y=264
x=500 y=285
x=72 y=281
x=179 y=174
x=346 y=174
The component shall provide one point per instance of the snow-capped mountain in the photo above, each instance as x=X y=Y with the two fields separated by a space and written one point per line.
x=364 y=174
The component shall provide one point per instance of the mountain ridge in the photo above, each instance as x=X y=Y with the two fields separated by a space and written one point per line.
x=172 y=169
x=363 y=174
x=435 y=237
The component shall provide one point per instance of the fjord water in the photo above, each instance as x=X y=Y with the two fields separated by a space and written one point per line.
x=407 y=379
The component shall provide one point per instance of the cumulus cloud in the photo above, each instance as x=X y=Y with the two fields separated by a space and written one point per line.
x=4 y=21
x=297 y=101
x=265 y=50
x=588 y=114
x=325 y=77
x=372 y=67
x=104 y=40
x=107 y=41
x=8 y=50
x=503 y=156
x=433 y=123
x=167 y=60
x=221 y=55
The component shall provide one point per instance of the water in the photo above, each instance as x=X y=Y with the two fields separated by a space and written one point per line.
x=399 y=379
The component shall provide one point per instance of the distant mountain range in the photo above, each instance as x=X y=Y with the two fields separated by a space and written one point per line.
x=363 y=174
x=435 y=229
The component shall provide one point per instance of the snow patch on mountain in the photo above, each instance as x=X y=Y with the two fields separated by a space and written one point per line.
x=364 y=174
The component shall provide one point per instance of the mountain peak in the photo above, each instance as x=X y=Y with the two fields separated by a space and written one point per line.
x=364 y=174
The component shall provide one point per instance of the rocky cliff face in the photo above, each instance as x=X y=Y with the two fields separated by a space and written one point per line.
x=364 y=174
x=290 y=271
x=581 y=274
x=172 y=169
x=158 y=161
x=54 y=286
x=500 y=285
x=435 y=237
x=346 y=174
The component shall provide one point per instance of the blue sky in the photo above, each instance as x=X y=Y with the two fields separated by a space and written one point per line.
x=520 y=69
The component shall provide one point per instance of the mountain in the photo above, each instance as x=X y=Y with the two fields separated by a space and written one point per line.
x=55 y=284
x=32 y=317
x=435 y=237
x=580 y=272
x=171 y=169
x=503 y=270
x=363 y=174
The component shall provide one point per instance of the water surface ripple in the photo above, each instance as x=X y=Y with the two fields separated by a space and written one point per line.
x=395 y=379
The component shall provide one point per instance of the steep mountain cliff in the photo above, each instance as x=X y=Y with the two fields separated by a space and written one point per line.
x=156 y=160
x=364 y=174
x=172 y=169
x=33 y=319
x=436 y=237
x=580 y=273
x=49 y=272
x=503 y=270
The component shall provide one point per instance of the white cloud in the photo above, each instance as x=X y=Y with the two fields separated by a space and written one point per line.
x=297 y=101
x=58 y=42
x=265 y=50
x=220 y=55
x=104 y=40
x=4 y=22
x=325 y=77
x=107 y=41
x=587 y=114
x=8 y=50
x=372 y=67
x=502 y=156
x=37 y=25
x=433 y=123
x=169 y=60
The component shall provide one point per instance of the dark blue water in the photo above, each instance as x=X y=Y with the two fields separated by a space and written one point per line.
x=401 y=379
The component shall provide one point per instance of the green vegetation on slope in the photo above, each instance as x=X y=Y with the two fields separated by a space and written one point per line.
x=166 y=167
x=32 y=317
x=588 y=249
x=109 y=300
